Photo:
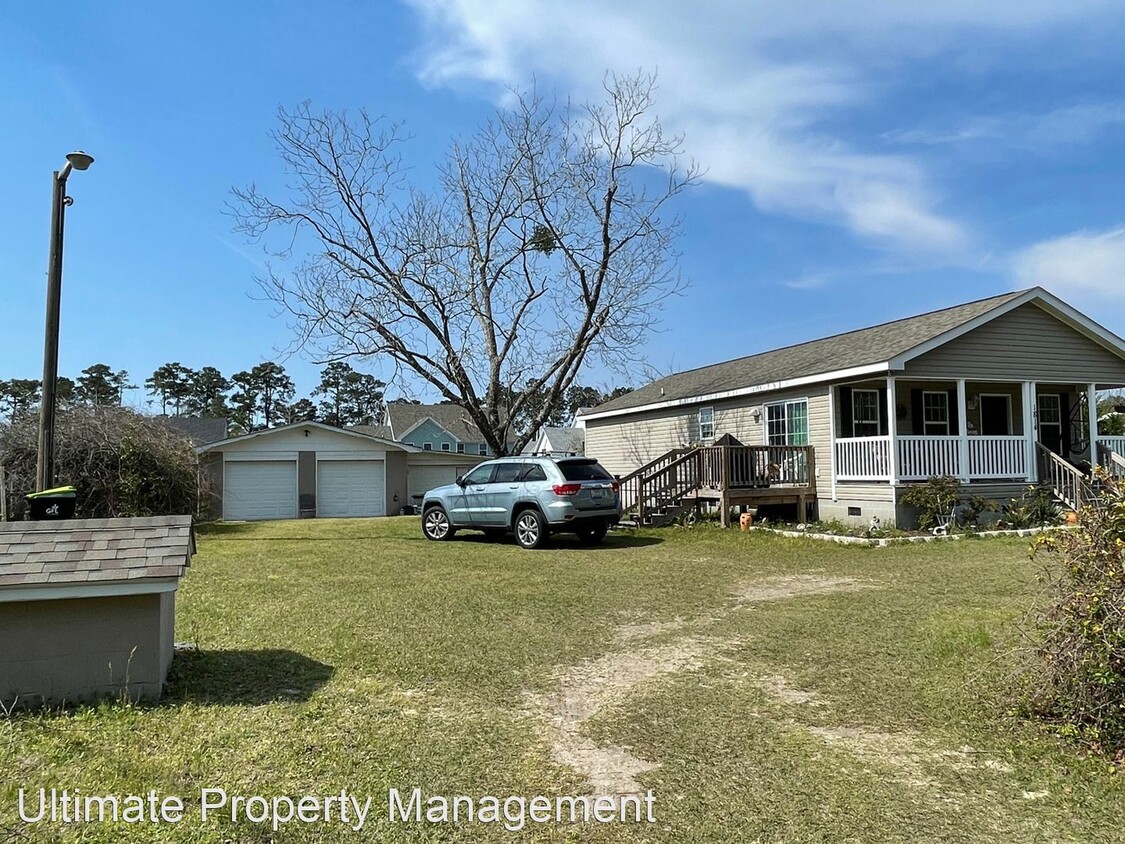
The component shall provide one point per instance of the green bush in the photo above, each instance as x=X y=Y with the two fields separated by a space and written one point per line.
x=1078 y=676
x=935 y=500
x=1036 y=507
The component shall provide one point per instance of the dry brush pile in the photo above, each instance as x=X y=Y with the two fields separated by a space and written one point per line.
x=1078 y=675
x=122 y=463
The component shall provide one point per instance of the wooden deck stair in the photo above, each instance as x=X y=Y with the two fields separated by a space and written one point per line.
x=661 y=490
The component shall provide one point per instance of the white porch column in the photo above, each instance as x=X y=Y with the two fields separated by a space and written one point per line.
x=1029 y=428
x=832 y=437
x=962 y=431
x=892 y=426
x=1034 y=431
x=1092 y=407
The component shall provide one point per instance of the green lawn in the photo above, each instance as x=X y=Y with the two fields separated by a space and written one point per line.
x=765 y=689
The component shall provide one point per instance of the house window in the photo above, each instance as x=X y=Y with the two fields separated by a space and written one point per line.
x=865 y=413
x=483 y=449
x=706 y=423
x=427 y=446
x=935 y=413
x=445 y=446
x=787 y=423
x=460 y=448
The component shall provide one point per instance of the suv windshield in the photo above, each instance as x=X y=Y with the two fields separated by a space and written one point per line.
x=575 y=471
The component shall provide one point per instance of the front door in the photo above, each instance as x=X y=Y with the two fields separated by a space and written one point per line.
x=1051 y=422
x=995 y=415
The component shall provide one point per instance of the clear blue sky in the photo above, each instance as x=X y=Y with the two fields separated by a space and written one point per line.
x=862 y=165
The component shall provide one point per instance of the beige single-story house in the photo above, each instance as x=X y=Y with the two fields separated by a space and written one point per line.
x=1000 y=393
x=310 y=469
x=87 y=606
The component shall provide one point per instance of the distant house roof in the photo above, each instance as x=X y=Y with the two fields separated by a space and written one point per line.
x=355 y=431
x=849 y=355
x=558 y=441
x=94 y=551
x=199 y=430
x=402 y=418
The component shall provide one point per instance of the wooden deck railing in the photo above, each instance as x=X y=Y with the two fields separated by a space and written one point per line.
x=717 y=468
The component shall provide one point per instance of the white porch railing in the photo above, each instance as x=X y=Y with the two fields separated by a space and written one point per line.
x=1114 y=444
x=997 y=457
x=863 y=458
x=919 y=458
x=923 y=457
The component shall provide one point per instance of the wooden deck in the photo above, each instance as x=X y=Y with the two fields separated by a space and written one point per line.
x=730 y=476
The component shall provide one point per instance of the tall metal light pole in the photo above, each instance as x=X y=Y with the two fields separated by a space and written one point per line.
x=45 y=466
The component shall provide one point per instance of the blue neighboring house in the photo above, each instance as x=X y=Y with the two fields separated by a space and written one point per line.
x=431 y=427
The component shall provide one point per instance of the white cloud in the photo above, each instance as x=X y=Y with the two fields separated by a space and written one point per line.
x=739 y=78
x=1087 y=266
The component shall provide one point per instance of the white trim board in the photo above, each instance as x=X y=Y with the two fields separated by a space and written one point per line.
x=222 y=444
x=87 y=589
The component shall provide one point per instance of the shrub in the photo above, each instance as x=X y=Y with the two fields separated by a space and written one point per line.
x=1078 y=676
x=935 y=500
x=1034 y=508
x=123 y=463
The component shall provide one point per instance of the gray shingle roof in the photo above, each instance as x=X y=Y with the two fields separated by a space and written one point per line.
x=566 y=440
x=403 y=417
x=94 y=550
x=842 y=351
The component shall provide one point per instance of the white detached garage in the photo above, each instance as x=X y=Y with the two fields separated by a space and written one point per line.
x=310 y=469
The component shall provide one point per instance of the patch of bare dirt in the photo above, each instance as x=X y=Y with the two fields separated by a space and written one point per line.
x=581 y=692
x=778 y=687
x=784 y=586
x=647 y=629
x=902 y=752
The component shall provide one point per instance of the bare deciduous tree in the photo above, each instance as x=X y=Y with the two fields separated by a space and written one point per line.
x=546 y=245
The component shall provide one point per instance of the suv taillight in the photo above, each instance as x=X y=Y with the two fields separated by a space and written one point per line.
x=615 y=486
x=566 y=489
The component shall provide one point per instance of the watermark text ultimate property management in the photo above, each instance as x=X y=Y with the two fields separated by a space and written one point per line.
x=216 y=805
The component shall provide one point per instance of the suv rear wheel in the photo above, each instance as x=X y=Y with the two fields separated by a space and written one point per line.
x=436 y=525
x=531 y=529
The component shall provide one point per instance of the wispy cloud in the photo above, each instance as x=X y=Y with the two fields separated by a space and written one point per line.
x=1042 y=133
x=1088 y=266
x=738 y=78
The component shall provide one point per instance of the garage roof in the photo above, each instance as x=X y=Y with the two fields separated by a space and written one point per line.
x=350 y=432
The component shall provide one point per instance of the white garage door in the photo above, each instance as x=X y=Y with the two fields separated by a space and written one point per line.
x=420 y=479
x=350 y=488
x=260 y=489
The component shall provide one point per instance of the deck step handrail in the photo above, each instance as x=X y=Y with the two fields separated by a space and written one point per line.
x=631 y=483
x=1066 y=481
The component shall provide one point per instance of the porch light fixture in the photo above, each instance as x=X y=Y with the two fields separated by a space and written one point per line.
x=757 y=414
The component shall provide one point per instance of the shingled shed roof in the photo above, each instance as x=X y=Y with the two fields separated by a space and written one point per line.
x=77 y=551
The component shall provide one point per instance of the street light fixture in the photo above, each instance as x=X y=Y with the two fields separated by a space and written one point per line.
x=45 y=465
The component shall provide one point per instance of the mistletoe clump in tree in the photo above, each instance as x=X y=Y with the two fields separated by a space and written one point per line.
x=546 y=246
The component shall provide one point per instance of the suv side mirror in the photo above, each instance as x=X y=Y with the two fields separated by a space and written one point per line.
x=460 y=481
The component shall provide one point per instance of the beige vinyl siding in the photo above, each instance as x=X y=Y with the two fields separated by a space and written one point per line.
x=624 y=443
x=1024 y=344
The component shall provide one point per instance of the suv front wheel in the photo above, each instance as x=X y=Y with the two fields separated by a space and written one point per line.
x=530 y=529
x=436 y=525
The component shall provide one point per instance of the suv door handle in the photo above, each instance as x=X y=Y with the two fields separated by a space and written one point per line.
x=514 y=486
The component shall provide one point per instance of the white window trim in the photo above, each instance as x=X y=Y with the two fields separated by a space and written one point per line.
x=699 y=421
x=483 y=451
x=877 y=421
x=783 y=403
x=445 y=447
x=926 y=425
x=427 y=446
x=460 y=448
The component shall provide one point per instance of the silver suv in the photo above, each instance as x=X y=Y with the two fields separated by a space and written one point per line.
x=532 y=497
